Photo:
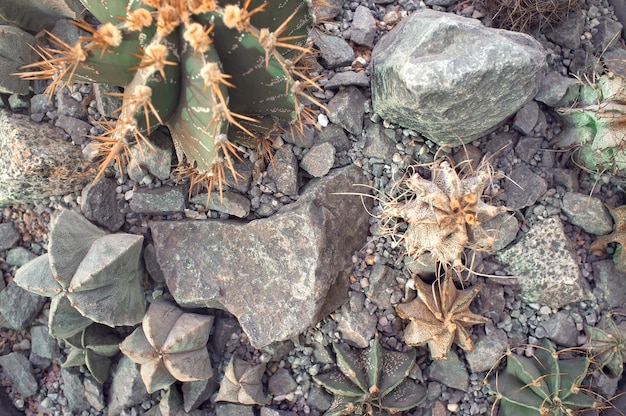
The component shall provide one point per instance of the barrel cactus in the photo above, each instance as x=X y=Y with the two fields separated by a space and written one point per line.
x=216 y=74
x=607 y=346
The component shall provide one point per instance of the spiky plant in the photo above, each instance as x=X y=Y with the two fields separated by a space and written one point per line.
x=90 y=275
x=242 y=383
x=529 y=15
x=170 y=345
x=93 y=347
x=544 y=384
x=607 y=346
x=367 y=381
x=214 y=72
x=617 y=236
x=441 y=216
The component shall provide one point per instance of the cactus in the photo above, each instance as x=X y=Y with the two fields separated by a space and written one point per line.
x=618 y=236
x=543 y=384
x=607 y=347
x=170 y=345
x=91 y=276
x=595 y=126
x=439 y=315
x=242 y=383
x=93 y=347
x=371 y=379
x=442 y=215
x=213 y=73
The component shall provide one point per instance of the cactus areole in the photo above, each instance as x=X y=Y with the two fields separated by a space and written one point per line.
x=216 y=74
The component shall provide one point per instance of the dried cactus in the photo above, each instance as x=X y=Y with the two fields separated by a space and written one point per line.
x=93 y=347
x=442 y=215
x=544 y=384
x=607 y=347
x=529 y=15
x=170 y=345
x=618 y=236
x=242 y=383
x=371 y=379
x=439 y=315
x=212 y=72
x=91 y=276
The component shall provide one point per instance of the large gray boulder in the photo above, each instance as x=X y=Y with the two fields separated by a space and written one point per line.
x=278 y=275
x=36 y=161
x=452 y=79
x=15 y=52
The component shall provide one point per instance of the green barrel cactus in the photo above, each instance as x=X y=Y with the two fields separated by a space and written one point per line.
x=544 y=384
x=90 y=276
x=607 y=346
x=216 y=74
x=370 y=381
x=93 y=347
x=170 y=345
x=595 y=126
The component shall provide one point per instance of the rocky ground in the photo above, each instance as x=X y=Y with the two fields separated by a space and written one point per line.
x=549 y=197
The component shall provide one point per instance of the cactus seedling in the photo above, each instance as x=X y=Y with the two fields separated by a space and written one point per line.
x=442 y=215
x=371 y=379
x=93 y=347
x=211 y=71
x=91 y=276
x=439 y=315
x=618 y=236
x=242 y=383
x=170 y=345
x=542 y=385
x=607 y=347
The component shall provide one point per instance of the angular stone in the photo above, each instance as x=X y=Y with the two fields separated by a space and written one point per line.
x=227 y=202
x=346 y=109
x=74 y=390
x=526 y=118
x=295 y=263
x=161 y=201
x=281 y=382
x=319 y=160
x=379 y=141
x=18 y=370
x=343 y=79
x=356 y=324
x=363 y=28
x=382 y=283
x=284 y=170
x=15 y=51
x=567 y=33
x=451 y=372
x=233 y=409
x=612 y=282
x=127 y=388
x=19 y=256
x=588 y=212
x=487 y=351
x=545 y=264
x=41 y=14
x=426 y=72
x=36 y=161
x=334 y=51
x=9 y=236
x=156 y=160
x=43 y=344
x=524 y=188
x=556 y=90
x=561 y=329
x=76 y=128
x=99 y=204
x=18 y=306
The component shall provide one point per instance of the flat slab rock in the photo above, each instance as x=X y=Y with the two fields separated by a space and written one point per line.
x=278 y=275
x=544 y=262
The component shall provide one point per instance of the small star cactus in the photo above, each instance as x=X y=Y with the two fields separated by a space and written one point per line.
x=214 y=73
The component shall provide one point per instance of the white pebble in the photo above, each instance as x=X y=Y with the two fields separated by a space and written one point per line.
x=453 y=407
x=322 y=120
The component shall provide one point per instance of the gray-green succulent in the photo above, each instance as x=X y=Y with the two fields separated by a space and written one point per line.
x=607 y=346
x=242 y=383
x=90 y=276
x=170 y=345
x=93 y=347
x=370 y=381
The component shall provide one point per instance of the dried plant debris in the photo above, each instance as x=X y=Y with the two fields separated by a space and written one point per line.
x=530 y=15
x=439 y=316
x=170 y=345
x=617 y=236
x=442 y=216
x=242 y=383
x=371 y=382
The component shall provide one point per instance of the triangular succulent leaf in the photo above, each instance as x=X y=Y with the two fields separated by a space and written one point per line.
x=395 y=367
x=190 y=333
x=353 y=365
x=514 y=391
x=97 y=365
x=36 y=277
x=155 y=376
x=407 y=395
x=159 y=320
x=101 y=340
x=524 y=368
x=64 y=320
x=137 y=348
x=339 y=384
x=189 y=365
x=374 y=365
x=75 y=358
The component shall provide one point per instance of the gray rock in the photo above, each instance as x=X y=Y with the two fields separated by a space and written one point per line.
x=15 y=51
x=197 y=392
x=528 y=147
x=426 y=71
x=526 y=118
x=161 y=201
x=336 y=136
x=346 y=109
x=561 y=329
x=155 y=159
x=74 y=390
x=566 y=178
x=284 y=171
x=36 y=161
x=106 y=103
x=281 y=382
x=304 y=138
x=99 y=204
x=19 y=256
x=127 y=388
x=612 y=282
x=77 y=129
x=241 y=182
x=334 y=51
x=94 y=393
x=9 y=236
x=18 y=102
x=18 y=306
x=363 y=29
x=487 y=351
x=319 y=399
x=545 y=264
x=567 y=33
x=228 y=202
x=232 y=409
x=223 y=328
x=266 y=411
x=319 y=160
x=523 y=187
x=588 y=212
x=379 y=142
x=500 y=144
x=356 y=324
x=451 y=372
x=556 y=90
x=68 y=106
x=151 y=264
x=294 y=263
x=39 y=15
x=503 y=228
x=343 y=79
x=40 y=104
x=43 y=344
x=608 y=35
x=329 y=9
x=382 y=283
x=18 y=370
